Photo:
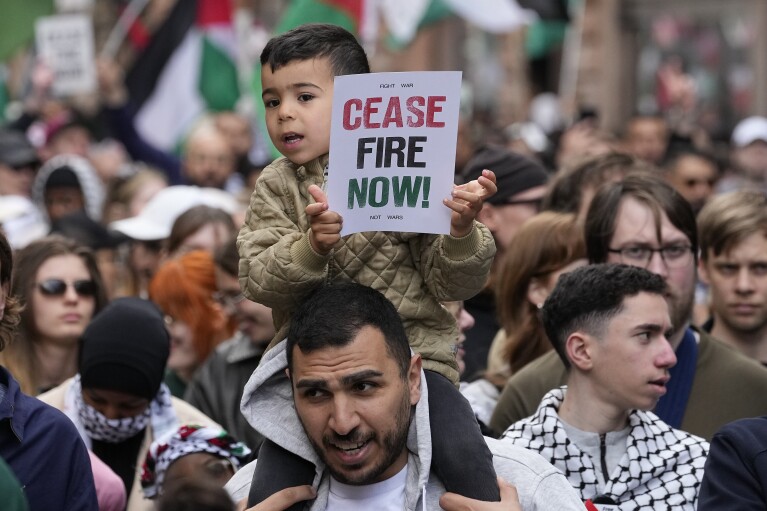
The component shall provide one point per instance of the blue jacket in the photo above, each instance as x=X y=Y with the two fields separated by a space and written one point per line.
x=44 y=450
x=735 y=475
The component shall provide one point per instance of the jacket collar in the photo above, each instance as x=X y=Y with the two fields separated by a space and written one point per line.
x=11 y=406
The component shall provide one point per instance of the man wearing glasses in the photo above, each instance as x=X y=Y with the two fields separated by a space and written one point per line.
x=642 y=221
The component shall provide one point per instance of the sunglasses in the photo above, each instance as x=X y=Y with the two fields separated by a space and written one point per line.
x=57 y=287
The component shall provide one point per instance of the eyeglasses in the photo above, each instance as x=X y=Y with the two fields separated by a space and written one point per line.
x=675 y=256
x=58 y=287
x=228 y=298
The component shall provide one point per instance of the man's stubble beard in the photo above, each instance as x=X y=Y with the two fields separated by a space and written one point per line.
x=393 y=444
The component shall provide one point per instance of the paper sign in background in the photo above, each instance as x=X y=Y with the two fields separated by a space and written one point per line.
x=65 y=43
x=392 y=150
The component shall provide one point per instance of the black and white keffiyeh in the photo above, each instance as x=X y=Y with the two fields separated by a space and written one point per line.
x=662 y=467
x=93 y=425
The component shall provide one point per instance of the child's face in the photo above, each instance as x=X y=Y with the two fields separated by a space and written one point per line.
x=298 y=98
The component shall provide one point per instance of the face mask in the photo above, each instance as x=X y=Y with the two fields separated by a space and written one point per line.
x=112 y=431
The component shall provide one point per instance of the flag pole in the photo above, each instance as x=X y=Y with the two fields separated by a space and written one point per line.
x=116 y=37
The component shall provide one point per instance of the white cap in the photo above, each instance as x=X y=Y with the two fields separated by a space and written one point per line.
x=21 y=221
x=155 y=220
x=749 y=130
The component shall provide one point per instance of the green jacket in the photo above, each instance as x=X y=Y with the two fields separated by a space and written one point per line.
x=727 y=386
x=279 y=268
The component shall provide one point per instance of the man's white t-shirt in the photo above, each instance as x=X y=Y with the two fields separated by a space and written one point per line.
x=388 y=495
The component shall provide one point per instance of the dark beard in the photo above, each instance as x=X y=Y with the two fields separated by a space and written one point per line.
x=393 y=444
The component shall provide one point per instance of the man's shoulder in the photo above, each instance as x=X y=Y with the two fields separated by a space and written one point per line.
x=510 y=458
x=718 y=358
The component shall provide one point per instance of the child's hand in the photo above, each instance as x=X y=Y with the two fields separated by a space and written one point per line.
x=326 y=224
x=467 y=202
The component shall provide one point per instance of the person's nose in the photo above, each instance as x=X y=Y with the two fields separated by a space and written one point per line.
x=667 y=357
x=70 y=295
x=657 y=265
x=344 y=417
x=743 y=283
x=285 y=110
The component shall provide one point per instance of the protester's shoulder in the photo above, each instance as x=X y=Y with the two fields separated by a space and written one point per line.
x=512 y=459
x=717 y=356
x=548 y=367
x=55 y=396
x=188 y=414
x=539 y=484
x=45 y=417
x=238 y=486
x=750 y=433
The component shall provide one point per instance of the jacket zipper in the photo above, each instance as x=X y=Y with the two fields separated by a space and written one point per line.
x=603 y=455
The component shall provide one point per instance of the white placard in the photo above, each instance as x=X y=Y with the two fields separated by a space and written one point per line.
x=65 y=43
x=392 y=150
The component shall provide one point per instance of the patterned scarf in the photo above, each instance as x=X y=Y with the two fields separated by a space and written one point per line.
x=93 y=425
x=662 y=467
x=187 y=440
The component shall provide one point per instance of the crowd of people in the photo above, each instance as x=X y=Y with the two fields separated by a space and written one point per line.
x=192 y=331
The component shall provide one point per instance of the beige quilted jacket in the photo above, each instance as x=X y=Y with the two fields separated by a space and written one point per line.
x=278 y=267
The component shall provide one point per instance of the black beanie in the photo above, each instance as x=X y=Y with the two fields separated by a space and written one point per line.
x=125 y=348
x=63 y=177
x=514 y=173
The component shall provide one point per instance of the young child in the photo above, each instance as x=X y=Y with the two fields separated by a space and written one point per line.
x=290 y=245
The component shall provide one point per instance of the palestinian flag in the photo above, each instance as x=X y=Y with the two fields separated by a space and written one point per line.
x=187 y=69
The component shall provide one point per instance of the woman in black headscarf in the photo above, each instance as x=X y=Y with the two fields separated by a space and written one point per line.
x=117 y=400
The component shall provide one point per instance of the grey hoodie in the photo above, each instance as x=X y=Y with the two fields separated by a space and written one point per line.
x=267 y=404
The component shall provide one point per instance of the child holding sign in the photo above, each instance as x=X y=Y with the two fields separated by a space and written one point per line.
x=290 y=245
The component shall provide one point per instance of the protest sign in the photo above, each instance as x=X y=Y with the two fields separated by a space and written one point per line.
x=392 y=150
x=65 y=43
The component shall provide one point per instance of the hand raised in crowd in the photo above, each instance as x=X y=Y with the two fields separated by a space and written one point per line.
x=467 y=201
x=509 y=501
x=325 y=224
x=281 y=500
x=111 y=82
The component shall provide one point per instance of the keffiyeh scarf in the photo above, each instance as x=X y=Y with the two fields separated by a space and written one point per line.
x=187 y=440
x=93 y=425
x=662 y=467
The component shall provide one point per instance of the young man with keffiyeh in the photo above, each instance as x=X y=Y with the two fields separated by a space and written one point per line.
x=610 y=325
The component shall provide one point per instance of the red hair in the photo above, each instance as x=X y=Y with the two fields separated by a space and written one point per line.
x=183 y=288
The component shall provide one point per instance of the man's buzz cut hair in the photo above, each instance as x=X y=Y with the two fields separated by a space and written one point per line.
x=317 y=40
x=587 y=298
x=334 y=314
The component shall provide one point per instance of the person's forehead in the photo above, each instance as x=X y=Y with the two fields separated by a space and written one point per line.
x=641 y=309
x=367 y=352
x=637 y=222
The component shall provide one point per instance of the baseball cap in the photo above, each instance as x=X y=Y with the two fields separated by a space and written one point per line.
x=155 y=220
x=16 y=150
x=749 y=130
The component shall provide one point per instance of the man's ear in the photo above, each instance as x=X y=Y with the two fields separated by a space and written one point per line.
x=579 y=348
x=703 y=272
x=287 y=373
x=414 y=378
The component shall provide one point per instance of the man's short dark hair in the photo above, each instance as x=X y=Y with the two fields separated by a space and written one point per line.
x=587 y=298
x=649 y=189
x=334 y=314
x=317 y=40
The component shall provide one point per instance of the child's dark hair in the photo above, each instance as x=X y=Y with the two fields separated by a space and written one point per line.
x=315 y=40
